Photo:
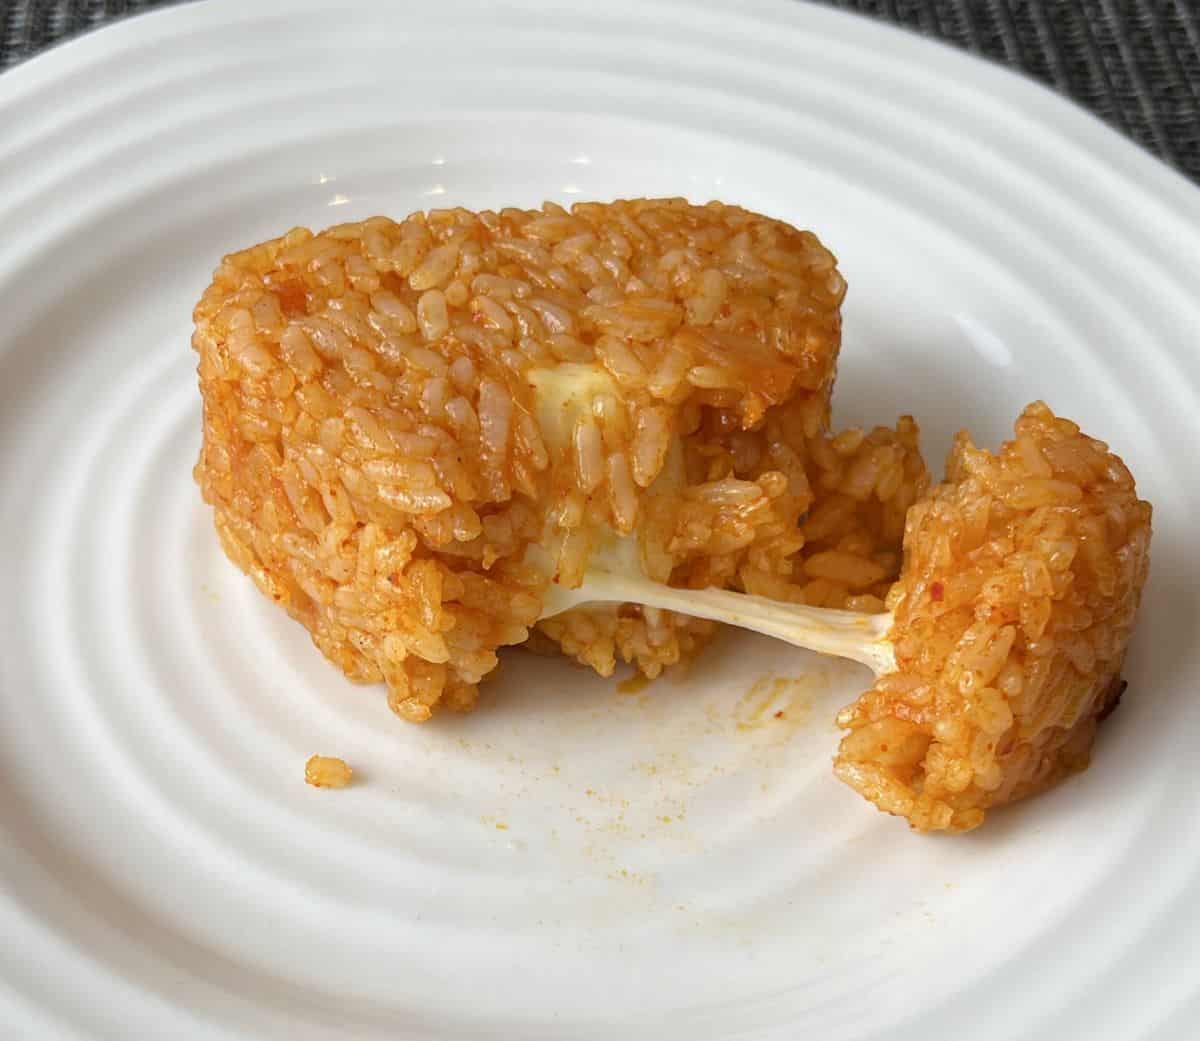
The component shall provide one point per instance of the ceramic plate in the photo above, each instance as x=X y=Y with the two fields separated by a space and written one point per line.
x=568 y=861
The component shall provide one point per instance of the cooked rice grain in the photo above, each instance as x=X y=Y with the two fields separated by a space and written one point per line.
x=323 y=771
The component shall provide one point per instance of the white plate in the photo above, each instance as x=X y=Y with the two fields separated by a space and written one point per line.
x=567 y=861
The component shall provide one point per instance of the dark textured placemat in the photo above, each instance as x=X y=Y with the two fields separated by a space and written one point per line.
x=1137 y=65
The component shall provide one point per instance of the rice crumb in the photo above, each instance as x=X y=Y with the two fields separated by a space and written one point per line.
x=323 y=771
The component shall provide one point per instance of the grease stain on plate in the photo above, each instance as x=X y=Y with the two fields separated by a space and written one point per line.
x=635 y=684
x=782 y=703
